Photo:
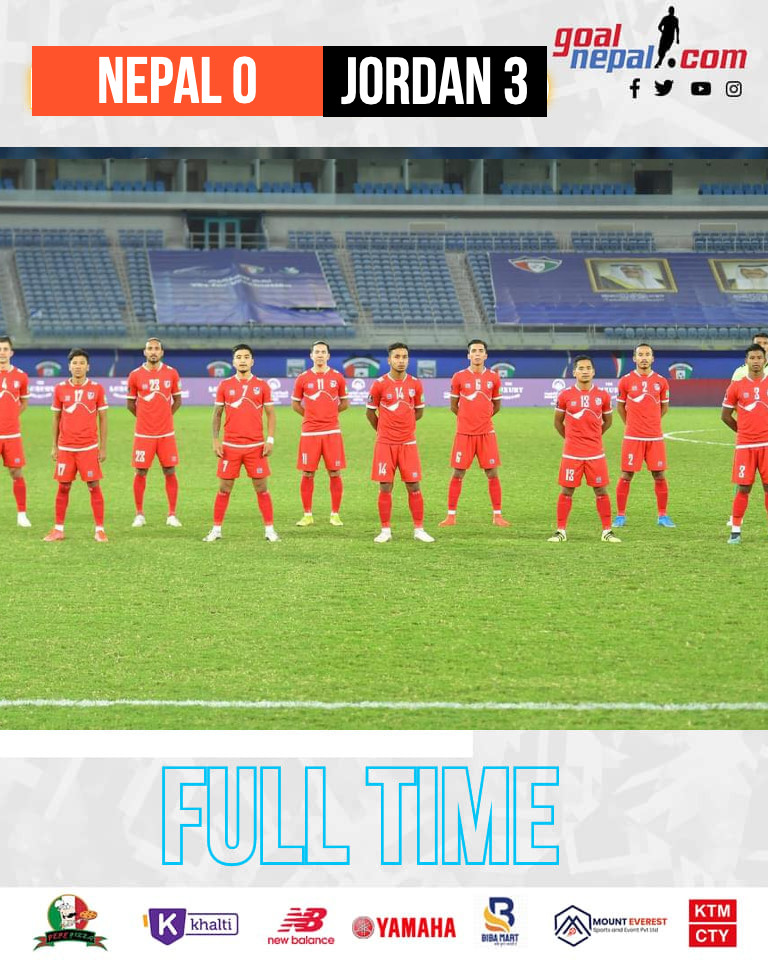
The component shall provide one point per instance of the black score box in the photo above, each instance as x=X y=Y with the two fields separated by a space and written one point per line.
x=435 y=81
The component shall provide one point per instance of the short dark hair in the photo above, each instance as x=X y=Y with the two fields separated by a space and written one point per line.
x=477 y=340
x=765 y=335
x=77 y=352
x=638 y=345
x=397 y=345
x=6 y=339
x=241 y=346
x=582 y=356
x=320 y=343
x=754 y=348
x=154 y=340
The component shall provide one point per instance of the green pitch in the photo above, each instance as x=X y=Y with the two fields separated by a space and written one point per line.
x=482 y=616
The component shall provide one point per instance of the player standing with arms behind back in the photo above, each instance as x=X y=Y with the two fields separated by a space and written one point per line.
x=14 y=394
x=246 y=399
x=582 y=416
x=319 y=396
x=79 y=441
x=475 y=399
x=749 y=399
x=154 y=396
x=395 y=403
x=643 y=400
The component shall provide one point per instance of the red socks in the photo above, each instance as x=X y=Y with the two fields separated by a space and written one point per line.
x=603 y=504
x=740 y=504
x=454 y=492
x=139 y=486
x=494 y=491
x=337 y=488
x=97 y=506
x=220 y=505
x=20 y=493
x=662 y=496
x=622 y=494
x=172 y=492
x=416 y=506
x=564 y=505
x=62 y=500
x=307 y=489
x=265 y=506
x=385 y=509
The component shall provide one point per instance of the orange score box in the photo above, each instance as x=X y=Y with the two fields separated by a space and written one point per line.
x=177 y=81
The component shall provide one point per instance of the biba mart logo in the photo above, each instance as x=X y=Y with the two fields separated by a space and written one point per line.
x=606 y=48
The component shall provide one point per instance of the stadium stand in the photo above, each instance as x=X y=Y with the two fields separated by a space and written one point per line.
x=138 y=186
x=229 y=186
x=530 y=241
x=722 y=242
x=140 y=285
x=379 y=189
x=399 y=287
x=311 y=240
x=150 y=239
x=597 y=189
x=445 y=189
x=79 y=184
x=286 y=186
x=612 y=241
x=732 y=189
x=526 y=189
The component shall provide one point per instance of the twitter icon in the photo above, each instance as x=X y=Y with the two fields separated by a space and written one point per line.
x=662 y=89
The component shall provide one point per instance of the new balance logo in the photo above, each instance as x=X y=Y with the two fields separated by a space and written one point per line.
x=303 y=921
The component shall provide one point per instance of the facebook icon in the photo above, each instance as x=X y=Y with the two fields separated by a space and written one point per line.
x=166 y=924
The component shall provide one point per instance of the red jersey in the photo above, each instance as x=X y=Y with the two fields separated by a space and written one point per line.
x=643 y=398
x=750 y=400
x=584 y=411
x=14 y=387
x=153 y=391
x=244 y=402
x=476 y=394
x=79 y=406
x=397 y=402
x=320 y=394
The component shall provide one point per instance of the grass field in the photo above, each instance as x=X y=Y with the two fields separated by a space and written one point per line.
x=483 y=616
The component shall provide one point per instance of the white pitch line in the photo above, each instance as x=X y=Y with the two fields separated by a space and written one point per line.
x=388 y=705
x=709 y=443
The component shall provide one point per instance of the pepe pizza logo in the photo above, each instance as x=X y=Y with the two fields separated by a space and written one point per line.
x=68 y=917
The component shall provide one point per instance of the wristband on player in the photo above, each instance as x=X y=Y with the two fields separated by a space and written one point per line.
x=271 y=440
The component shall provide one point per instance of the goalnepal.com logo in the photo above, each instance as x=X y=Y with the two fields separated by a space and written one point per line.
x=607 y=48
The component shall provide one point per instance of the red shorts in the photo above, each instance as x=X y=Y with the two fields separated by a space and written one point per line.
x=466 y=447
x=329 y=446
x=390 y=457
x=636 y=452
x=12 y=452
x=71 y=462
x=146 y=448
x=595 y=471
x=256 y=465
x=748 y=462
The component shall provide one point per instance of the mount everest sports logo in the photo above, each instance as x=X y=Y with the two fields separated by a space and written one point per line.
x=608 y=48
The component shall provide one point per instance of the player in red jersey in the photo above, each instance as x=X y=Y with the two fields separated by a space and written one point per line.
x=319 y=396
x=582 y=416
x=395 y=403
x=79 y=441
x=247 y=400
x=154 y=396
x=643 y=400
x=14 y=394
x=749 y=399
x=475 y=399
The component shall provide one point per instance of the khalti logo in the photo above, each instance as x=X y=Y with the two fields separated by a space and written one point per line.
x=573 y=925
x=68 y=916
x=604 y=48
x=169 y=924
